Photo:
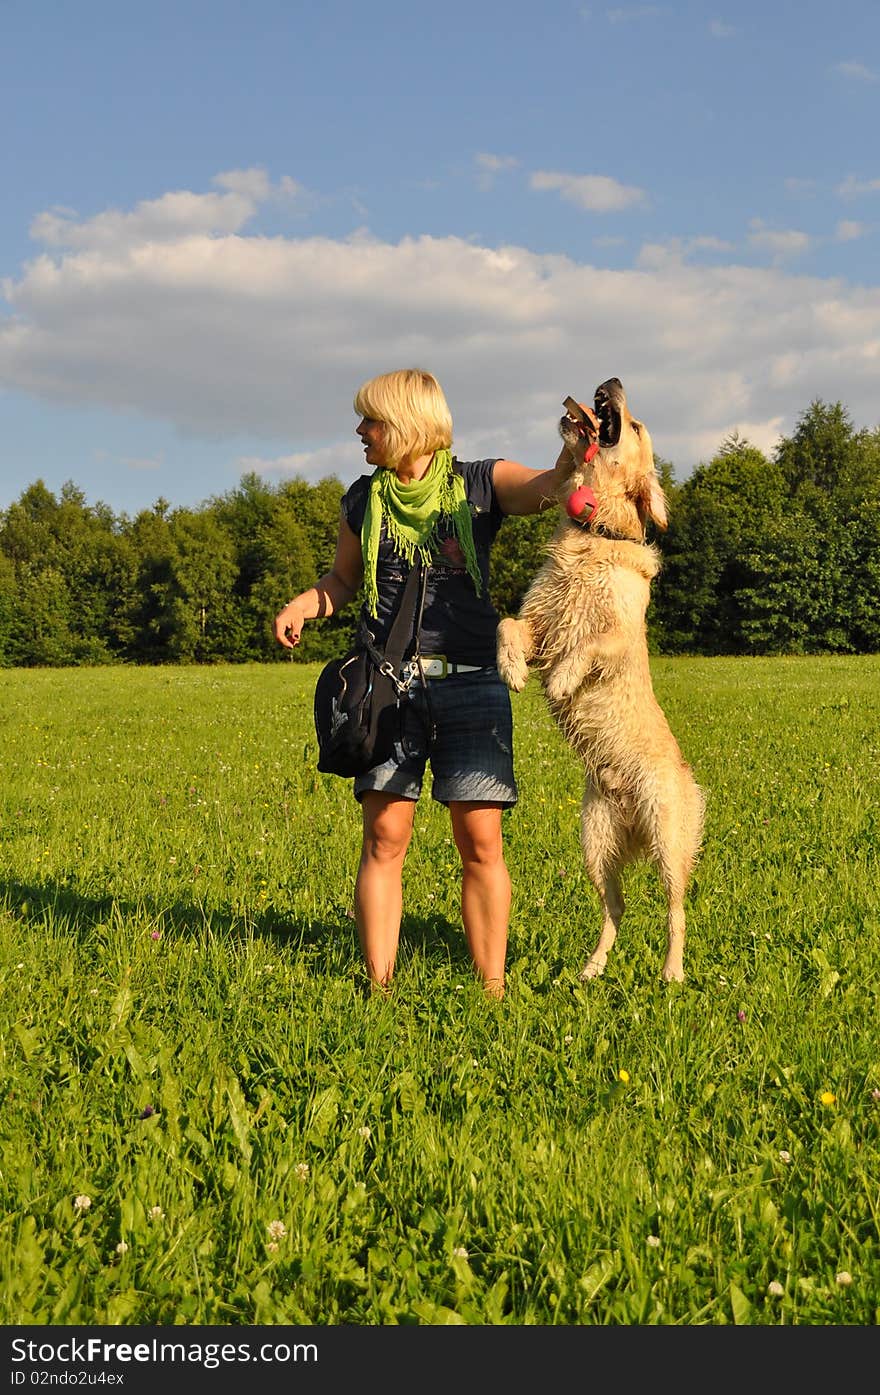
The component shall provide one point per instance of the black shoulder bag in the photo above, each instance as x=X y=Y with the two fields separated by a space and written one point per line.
x=358 y=716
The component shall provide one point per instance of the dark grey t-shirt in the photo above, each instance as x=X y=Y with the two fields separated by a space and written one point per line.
x=455 y=621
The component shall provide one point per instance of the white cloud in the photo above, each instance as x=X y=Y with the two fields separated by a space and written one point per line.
x=849 y=231
x=168 y=218
x=252 y=339
x=709 y=244
x=155 y=220
x=719 y=30
x=763 y=434
x=628 y=14
x=143 y=462
x=780 y=243
x=597 y=193
x=657 y=255
x=252 y=184
x=495 y=163
x=799 y=186
x=488 y=166
x=851 y=187
x=343 y=459
x=856 y=70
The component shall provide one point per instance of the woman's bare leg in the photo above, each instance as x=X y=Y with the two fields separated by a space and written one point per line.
x=485 y=889
x=378 y=892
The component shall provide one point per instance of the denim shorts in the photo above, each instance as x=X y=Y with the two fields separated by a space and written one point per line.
x=471 y=754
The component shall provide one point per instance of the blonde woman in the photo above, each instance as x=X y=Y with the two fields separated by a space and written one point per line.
x=419 y=501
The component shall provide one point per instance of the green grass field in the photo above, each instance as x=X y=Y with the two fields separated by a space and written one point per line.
x=207 y=1120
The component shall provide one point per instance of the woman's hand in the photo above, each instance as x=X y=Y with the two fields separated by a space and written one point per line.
x=289 y=623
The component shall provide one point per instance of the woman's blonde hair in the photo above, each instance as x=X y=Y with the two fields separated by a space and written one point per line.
x=412 y=407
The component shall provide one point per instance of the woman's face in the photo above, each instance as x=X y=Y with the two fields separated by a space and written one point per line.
x=372 y=433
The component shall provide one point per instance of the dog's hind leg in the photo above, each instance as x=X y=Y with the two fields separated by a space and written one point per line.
x=677 y=841
x=673 y=885
x=601 y=843
x=611 y=896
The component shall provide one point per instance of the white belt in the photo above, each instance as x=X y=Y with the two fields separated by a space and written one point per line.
x=438 y=666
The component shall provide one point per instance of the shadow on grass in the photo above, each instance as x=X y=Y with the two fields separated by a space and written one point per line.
x=32 y=903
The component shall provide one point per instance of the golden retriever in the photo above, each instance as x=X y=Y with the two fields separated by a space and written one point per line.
x=582 y=626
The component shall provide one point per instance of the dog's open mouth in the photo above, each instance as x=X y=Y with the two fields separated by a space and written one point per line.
x=608 y=401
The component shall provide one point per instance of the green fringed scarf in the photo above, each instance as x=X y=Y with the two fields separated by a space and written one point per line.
x=412 y=513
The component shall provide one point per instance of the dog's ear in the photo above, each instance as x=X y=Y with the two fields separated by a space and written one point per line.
x=651 y=502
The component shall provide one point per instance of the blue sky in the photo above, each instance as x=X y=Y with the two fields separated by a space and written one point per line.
x=219 y=219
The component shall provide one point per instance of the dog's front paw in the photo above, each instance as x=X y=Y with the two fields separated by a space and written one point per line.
x=514 y=670
x=510 y=657
x=569 y=673
x=557 y=687
x=563 y=680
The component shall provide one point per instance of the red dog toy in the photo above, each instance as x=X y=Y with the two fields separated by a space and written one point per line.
x=581 y=505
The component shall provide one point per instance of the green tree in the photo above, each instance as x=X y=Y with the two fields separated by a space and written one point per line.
x=855 y=538
x=826 y=454
x=196 y=589
x=316 y=509
x=26 y=535
x=832 y=473
x=263 y=545
x=86 y=547
x=8 y=608
x=61 y=551
x=517 y=555
x=717 y=517
x=42 y=633
x=152 y=619
x=786 y=588
x=98 y=567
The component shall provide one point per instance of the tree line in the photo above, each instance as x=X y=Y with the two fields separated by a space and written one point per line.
x=763 y=555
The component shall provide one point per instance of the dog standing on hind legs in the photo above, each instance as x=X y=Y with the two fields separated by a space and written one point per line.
x=582 y=626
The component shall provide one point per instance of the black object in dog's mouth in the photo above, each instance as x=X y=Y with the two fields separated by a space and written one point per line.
x=605 y=402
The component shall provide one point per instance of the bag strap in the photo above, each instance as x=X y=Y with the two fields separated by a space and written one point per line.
x=401 y=631
x=417 y=580
x=406 y=627
x=428 y=721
